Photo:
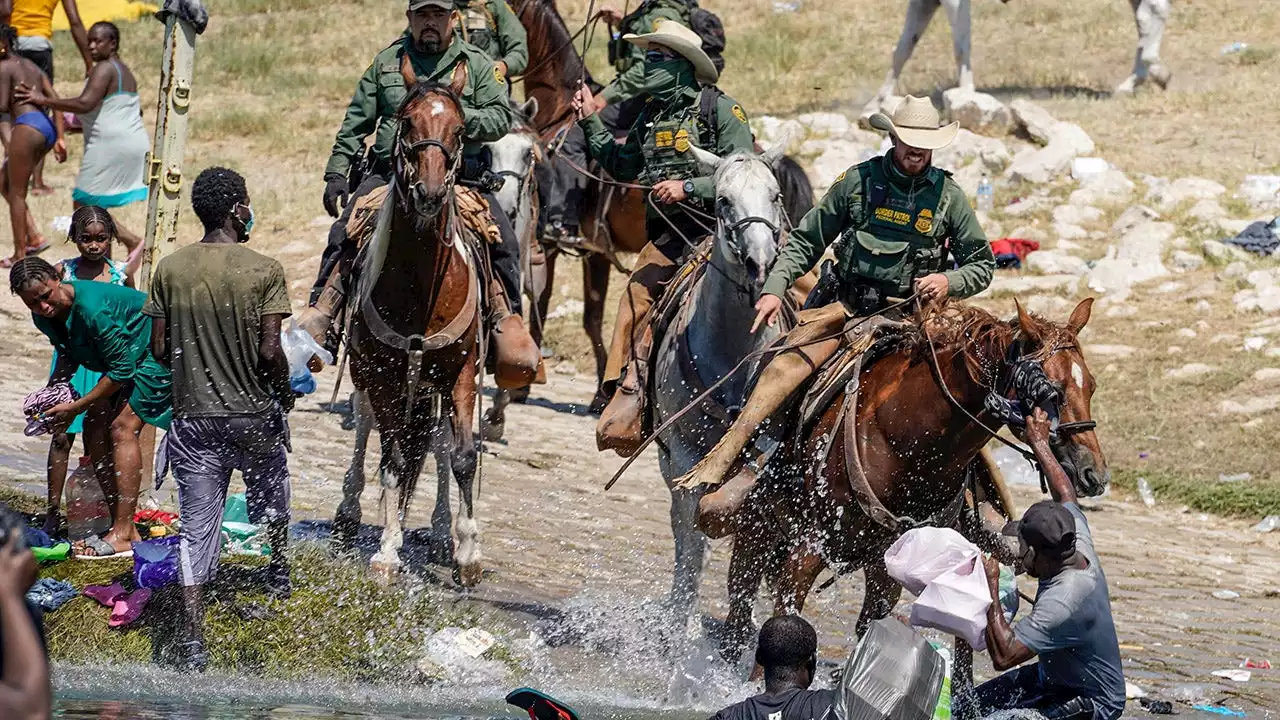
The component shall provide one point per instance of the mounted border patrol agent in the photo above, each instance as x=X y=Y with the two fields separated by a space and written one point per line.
x=900 y=222
x=685 y=109
x=492 y=26
x=434 y=49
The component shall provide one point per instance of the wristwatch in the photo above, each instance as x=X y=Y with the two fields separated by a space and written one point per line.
x=688 y=187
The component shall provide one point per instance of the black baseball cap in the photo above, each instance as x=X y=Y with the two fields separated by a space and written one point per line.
x=418 y=4
x=1048 y=528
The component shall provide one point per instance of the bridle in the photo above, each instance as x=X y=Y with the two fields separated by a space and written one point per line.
x=1025 y=386
x=410 y=191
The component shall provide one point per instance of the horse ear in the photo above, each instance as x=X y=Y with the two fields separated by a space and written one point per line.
x=779 y=146
x=458 y=82
x=1025 y=320
x=529 y=109
x=406 y=71
x=1080 y=316
x=709 y=161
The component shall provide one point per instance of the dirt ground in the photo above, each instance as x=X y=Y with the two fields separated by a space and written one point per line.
x=551 y=535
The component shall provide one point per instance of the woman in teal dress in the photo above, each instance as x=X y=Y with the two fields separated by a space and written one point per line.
x=92 y=230
x=101 y=327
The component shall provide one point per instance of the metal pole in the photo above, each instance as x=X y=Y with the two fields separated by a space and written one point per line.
x=164 y=163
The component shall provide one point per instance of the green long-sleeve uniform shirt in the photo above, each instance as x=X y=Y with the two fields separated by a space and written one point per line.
x=492 y=26
x=657 y=146
x=628 y=58
x=107 y=333
x=486 y=110
x=892 y=230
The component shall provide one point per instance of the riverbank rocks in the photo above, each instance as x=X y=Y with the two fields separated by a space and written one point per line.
x=1183 y=261
x=824 y=123
x=1260 y=191
x=1165 y=195
x=1053 y=262
x=1107 y=188
x=1135 y=258
x=1019 y=285
x=991 y=153
x=1190 y=370
x=1263 y=296
x=1076 y=214
x=885 y=105
x=1062 y=142
x=1221 y=252
x=1032 y=119
x=977 y=111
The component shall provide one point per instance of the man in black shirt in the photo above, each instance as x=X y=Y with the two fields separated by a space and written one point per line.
x=24 y=668
x=788 y=652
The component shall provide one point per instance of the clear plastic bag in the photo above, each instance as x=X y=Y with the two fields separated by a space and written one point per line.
x=894 y=674
x=87 y=510
x=299 y=347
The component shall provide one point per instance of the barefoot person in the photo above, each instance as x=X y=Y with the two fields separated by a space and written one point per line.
x=32 y=137
x=1070 y=629
x=217 y=307
x=92 y=231
x=115 y=141
x=101 y=326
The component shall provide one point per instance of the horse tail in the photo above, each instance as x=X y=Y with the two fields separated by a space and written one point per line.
x=797 y=191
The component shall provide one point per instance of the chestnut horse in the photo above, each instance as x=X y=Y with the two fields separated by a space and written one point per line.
x=827 y=502
x=613 y=217
x=414 y=335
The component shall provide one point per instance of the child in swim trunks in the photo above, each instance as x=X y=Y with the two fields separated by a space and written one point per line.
x=32 y=137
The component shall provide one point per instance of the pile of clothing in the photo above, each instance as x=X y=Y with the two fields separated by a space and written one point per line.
x=1260 y=237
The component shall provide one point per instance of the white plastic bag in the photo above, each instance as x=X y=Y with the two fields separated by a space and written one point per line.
x=956 y=603
x=299 y=346
x=924 y=553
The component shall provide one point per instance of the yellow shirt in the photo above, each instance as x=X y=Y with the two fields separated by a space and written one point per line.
x=33 y=17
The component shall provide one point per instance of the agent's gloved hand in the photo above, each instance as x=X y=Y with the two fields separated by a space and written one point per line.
x=335 y=194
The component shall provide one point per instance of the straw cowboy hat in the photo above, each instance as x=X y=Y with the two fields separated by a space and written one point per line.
x=916 y=122
x=678 y=38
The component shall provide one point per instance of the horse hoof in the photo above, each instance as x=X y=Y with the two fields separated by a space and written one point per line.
x=492 y=431
x=467 y=576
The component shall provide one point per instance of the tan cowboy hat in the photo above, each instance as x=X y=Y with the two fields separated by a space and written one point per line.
x=678 y=38
x=916 y=122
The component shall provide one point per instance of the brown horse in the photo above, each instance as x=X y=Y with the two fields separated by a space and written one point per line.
x=414 y=335
x=613 y=217
x=829 y=502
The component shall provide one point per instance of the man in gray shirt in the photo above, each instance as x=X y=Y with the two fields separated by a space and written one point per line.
x=1070 y=629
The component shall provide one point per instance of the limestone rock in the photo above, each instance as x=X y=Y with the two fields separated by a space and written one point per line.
x=1221 y=252
x=1251 y=406
x=1107 y=188
x=1041 y=166
x=1050 y=262
x=838 y=156
x=1114 y=351
x=1167 y=287
x=1207 y=211
x=1047 y=305
x=769 y=129
x=1032 y=119
x=1026 y=206
x=1186 y=333
x=1132 y=217
x=1167 y=196
x=1021 y=284
x=977 y=111
x=1235 y=269
x=824 y=123
x=1189 y=370
x=1184 y=261
x=1076 y=214
x=1267 y=375
x=993 y=155
x=885 y=105
x=1122 y=310
x=1260 y=191
x=1134 y=259
x=1231 y=227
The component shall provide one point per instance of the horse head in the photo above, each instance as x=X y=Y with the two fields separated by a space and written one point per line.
x=1055 y=349
x=750 y=218
x=514 y=156
x=428 y=147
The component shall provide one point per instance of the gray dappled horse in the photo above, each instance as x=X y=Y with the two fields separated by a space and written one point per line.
x=709 y=335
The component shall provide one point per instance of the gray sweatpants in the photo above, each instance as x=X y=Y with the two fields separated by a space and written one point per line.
x=202 y=454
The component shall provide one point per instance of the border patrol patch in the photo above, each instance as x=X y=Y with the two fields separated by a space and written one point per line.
x=840 y=177
x=682 y=140
x=663 y=138
x=498 y=75
x=924 y=223
x=738 y=113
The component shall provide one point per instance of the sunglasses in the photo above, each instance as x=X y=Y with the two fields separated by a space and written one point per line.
x=659 y=56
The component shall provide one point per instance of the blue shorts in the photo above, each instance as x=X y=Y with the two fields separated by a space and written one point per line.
x=39 y=121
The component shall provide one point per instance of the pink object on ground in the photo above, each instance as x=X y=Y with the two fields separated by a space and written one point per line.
x=106 y=595
x=130 y=608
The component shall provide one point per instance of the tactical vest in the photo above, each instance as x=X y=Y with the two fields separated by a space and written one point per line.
x=622 y=55
x=666 y=149
x=480 y=28
x=899 y=236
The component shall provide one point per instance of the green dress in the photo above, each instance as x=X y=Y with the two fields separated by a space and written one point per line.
x=84 y=379
x=106 y=332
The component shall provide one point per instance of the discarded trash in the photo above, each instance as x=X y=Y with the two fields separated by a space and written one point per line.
x=1226 y=594
x=1269 y=523
x=449 y=653
x=475 y=642
x=155 y=562
x=87 y=510
x=1238 y=477
x=1144 y=492
x=1191 y=693
x=1156 y=707
x=986 y=195
x=236 y=509
x=785 y=7
x=1256 y=664
x=1234 y=674
x=894 y=673
x=1233 y=48
x=1133 y=692
x=1144 y=455
x=1218 y=710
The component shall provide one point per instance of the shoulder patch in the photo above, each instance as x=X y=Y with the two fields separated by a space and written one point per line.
x=498 y=75
x=738 y=113
x=842 y=175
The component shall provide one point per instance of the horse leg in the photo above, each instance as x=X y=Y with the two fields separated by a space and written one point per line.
x=386 y=562
x=964 y=704
x=440 y=546
x=495 y=418
x=691 y=550
x=799 y=572
x=346 y=524
x=880 y=597
x=753 y=550
x=919 y=13
x=595 y=287
x=467 y=569
x=961 y=35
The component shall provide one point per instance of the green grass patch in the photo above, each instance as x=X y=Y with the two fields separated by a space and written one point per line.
x=234 y=122
x=20 y=501
x=1255 y=498
x=340 y=622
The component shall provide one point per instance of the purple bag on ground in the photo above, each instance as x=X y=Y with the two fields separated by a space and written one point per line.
x=155 y=562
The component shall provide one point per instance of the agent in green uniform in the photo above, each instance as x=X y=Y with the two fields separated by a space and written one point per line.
x=434 y=50
x=686 y=110
x=618 y=105
x=101 y=327
x=901 y=222
x=493 y=27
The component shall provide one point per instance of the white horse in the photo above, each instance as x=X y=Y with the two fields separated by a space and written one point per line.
x=709 y=336
x=1150 y=16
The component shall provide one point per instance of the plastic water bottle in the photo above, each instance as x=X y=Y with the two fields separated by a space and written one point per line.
x=1144 y=492
x=986 y=195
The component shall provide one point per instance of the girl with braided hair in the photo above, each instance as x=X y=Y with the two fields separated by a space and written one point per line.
x=100 y=326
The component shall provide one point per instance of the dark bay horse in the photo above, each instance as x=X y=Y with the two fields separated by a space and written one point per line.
x=612 y=218
x=414 y=336
x=903 y=448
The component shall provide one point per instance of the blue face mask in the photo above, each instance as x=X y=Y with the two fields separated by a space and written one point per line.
x=247 y=224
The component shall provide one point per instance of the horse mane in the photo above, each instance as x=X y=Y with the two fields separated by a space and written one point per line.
x=983 y=339
x=558 y=37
